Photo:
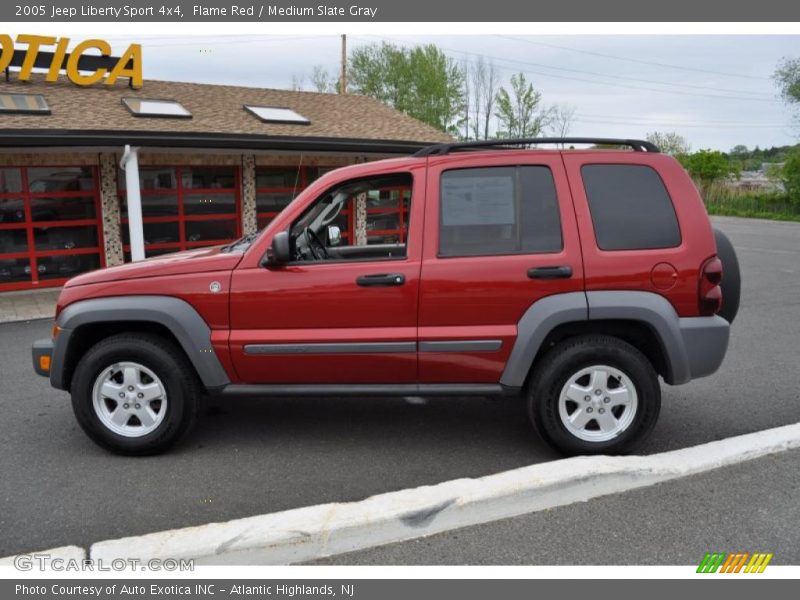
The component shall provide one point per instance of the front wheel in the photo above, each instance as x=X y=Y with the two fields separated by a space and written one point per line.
x=594 y=395
x=134 y=394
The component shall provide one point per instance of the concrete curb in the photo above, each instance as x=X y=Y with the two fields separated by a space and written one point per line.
x=312 y=532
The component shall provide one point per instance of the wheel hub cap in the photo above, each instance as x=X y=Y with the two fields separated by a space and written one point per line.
x=597 y=403
x=129 y=399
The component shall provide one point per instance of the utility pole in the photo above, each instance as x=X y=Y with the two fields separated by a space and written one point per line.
x=343 y=76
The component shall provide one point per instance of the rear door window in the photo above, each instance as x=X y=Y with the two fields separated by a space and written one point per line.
x=499 y=210
x=631 y=209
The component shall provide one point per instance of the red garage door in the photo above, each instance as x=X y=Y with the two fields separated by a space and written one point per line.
x=184 y=207
x=49 y=225
x=276 y=187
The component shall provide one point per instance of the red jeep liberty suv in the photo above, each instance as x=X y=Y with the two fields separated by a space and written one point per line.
x=574 y=278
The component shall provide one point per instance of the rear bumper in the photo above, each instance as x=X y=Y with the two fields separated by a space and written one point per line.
x=42 y=353
x=705 y=340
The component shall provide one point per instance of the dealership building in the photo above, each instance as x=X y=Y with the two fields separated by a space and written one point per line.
x=93 y=176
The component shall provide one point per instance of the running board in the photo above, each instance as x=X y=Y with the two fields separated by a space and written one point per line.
x=412 y=389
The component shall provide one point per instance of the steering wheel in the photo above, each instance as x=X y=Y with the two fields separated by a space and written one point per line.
x=315 y=245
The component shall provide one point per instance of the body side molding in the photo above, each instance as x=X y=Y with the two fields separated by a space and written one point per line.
x=374 y=347
x=180 y=317
x=460 y=346
x=332 y=348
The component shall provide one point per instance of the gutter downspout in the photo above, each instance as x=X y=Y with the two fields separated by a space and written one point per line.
x=130 y=164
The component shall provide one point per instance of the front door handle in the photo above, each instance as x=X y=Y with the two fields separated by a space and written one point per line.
x=562 y=272
x=383 y=279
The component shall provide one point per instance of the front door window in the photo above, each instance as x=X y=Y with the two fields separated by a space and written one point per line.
x=359 y=219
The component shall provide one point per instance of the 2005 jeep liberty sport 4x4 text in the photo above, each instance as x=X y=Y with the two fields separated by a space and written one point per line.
x=574 y=278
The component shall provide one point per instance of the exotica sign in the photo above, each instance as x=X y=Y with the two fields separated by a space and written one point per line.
x=89 y=62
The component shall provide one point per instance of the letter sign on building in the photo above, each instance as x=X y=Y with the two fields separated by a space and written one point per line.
x=128 y=65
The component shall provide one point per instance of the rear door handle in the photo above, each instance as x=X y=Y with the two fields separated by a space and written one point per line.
x=562 y=272
x=384 y=279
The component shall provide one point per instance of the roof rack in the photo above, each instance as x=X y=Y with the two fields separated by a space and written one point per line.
x=440 y=149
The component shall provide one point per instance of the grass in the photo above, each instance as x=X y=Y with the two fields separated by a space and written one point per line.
x=722 y=200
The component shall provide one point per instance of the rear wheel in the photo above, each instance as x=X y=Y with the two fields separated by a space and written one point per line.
x=134 y=394
x=594 y=395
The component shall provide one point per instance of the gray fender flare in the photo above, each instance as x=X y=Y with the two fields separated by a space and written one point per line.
x=651 y=309
x=180 y=317
x=539 y=320
x=656 y=312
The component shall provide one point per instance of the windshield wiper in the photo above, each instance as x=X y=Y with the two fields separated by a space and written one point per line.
x=242 y=241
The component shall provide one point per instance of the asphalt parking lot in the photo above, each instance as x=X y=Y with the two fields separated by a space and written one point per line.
x=253 y=457
x=749 y=507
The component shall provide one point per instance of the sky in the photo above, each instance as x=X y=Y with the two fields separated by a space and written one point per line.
x=715 y=90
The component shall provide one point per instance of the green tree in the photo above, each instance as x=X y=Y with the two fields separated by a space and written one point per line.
x=787 y=76
x=708 y=166
x=324 y=81
x=740 y=155
x=421 y=82
x=563 y=118
x=790 y=175
x=521 y=112
x=739 y=151
x=482 y=78
x=669 y=142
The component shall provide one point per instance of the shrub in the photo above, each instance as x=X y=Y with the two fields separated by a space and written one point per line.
x=708 y=166
x=791 y=176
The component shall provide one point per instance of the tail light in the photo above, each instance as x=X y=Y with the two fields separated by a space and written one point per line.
x=709 y=291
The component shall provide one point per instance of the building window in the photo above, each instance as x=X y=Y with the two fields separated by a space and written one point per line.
x=23 y=104
x=184 y=207
x=49 y=225
x=276 y=187
x=387 y=214
x=273 y=114
x=147 y=107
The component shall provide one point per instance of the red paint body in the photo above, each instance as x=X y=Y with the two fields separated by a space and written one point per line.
x=443 y=299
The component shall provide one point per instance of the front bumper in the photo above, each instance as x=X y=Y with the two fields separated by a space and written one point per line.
x=42 y=352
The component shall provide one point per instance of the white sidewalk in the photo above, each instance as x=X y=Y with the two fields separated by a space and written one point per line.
x=28 y=304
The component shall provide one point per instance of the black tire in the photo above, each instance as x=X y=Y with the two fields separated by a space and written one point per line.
x=570 y=357
x=731 y=277
x=167 y=362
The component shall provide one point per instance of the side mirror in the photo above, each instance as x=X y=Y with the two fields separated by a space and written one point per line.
x=334 y=235
x=279 y=253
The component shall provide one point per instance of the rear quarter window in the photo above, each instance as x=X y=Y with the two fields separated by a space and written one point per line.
x=630 y=207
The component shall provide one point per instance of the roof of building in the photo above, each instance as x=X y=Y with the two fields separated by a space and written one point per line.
x=217 y=113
